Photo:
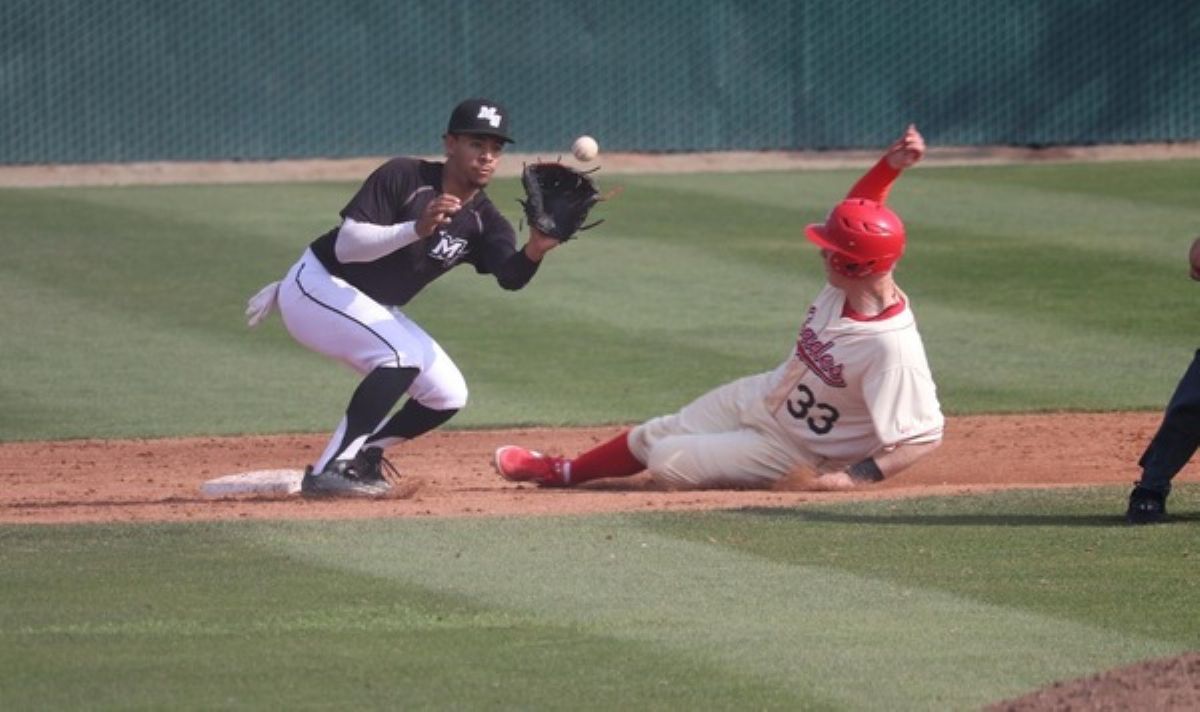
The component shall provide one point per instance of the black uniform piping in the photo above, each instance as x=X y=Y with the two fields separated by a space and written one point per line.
x=341 y=313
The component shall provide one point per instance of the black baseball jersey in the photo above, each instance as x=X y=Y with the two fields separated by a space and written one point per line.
x=397 y=192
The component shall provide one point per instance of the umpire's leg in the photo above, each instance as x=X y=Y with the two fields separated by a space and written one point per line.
x=1178 y=436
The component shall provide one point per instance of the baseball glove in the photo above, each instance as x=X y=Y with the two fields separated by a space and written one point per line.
x=557 y=199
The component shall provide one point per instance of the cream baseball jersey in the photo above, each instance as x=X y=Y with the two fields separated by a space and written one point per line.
x=852 y=386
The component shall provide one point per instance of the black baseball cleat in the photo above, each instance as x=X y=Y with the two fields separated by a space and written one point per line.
x=372 y=466
x=341 y=478
x=1146 y=506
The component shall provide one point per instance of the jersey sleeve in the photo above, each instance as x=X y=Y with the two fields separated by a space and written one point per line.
x=500 y=255
x=904 y=407
x=382 y=195
x=875 y=183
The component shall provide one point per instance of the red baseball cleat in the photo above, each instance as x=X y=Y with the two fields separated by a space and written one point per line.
x=516 y=464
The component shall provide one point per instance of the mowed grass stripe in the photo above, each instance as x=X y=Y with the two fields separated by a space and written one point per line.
x=1043 y=287
x=861 y=642
x=750 y=311
x=181 y=374
x=204 y=616
x=1036 y=364
x=701 y=319
x=964 y=200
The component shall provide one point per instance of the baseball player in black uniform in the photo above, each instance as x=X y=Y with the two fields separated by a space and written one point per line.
x=410 y=222
x=1176 y=440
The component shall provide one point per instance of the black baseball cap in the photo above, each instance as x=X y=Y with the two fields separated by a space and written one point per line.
x=480 y=116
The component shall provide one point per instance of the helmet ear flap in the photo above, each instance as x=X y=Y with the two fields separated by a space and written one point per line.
x=843 y=265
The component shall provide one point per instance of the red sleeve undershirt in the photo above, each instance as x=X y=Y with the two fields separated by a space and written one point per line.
x=876 y=183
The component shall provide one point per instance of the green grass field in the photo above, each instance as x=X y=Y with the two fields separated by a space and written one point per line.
x=1037 y=288
x=922 y=604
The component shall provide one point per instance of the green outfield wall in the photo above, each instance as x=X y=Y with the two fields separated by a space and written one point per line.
x=131 y=80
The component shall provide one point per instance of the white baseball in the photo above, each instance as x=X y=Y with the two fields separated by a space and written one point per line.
x=585 y=148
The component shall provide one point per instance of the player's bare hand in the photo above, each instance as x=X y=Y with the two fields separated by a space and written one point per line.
x=832 y=482
x=539 y=244
x=437 y=213
x=1194 y=258
x=907 y=150
x=804 y=480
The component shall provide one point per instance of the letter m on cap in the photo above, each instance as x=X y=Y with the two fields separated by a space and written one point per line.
x=489 y=113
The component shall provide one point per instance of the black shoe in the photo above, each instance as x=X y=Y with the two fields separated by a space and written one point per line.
x=372 y=466
x=1146 y=506
x=340 y=478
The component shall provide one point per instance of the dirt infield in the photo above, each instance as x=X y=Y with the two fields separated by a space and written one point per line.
x=1167 y=684
x=450 y=473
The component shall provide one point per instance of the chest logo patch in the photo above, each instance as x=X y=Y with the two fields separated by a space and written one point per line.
x=448 y=249
x=815 y=354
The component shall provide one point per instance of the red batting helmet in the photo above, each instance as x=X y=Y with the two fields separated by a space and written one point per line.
x=864 y=237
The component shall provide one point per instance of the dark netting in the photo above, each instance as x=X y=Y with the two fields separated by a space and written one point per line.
x=127 y=80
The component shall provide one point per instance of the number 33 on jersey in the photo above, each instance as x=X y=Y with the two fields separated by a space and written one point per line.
x=840 y=394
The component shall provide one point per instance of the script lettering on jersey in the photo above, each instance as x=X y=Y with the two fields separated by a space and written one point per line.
x=492 y=116
x=448 y=249
x=815 y=353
